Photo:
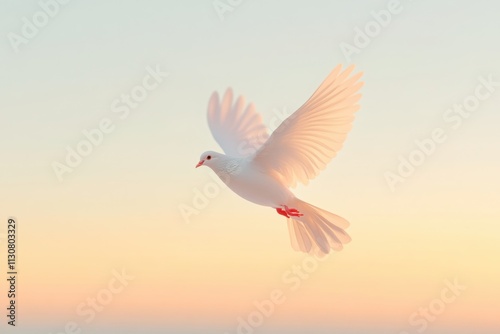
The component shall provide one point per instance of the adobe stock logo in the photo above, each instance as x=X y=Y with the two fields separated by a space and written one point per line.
x=123 y=107
x=225 y=6
x=32 y=26
x=293 y=278
x=363 y=36
x=89 y=309
x=425 y=315
x=453 y=118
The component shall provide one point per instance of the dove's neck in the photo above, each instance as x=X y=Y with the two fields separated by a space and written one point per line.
x=227 y=166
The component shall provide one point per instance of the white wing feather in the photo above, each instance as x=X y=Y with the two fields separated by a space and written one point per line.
x=308 y=139
x=238 y=130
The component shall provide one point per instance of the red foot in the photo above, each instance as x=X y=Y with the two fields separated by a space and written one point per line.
x=282 y=212
x=293 y=212
x=289 y=212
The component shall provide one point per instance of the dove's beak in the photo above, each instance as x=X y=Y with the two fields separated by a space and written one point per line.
x=200 y=163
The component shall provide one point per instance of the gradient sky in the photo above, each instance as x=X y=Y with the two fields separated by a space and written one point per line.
x=119 y=209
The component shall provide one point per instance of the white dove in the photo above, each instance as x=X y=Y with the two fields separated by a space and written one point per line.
x=261 y=168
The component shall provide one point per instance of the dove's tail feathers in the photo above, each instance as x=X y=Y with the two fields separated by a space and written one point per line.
x=317 y=231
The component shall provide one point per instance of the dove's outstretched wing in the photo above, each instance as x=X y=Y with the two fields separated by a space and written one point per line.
x=237 y=128
x=309 y=138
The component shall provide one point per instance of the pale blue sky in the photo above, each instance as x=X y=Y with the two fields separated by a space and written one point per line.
x=275 y=53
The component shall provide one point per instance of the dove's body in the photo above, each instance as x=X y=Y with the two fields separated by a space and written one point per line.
x=248 y=181
x=261 y=168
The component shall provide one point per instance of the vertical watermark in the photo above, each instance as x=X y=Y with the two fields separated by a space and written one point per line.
x=12 y=271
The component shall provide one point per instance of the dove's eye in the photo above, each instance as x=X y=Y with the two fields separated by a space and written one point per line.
x=209 y=157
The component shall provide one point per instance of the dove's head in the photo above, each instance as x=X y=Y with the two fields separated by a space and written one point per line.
x=211 y=159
